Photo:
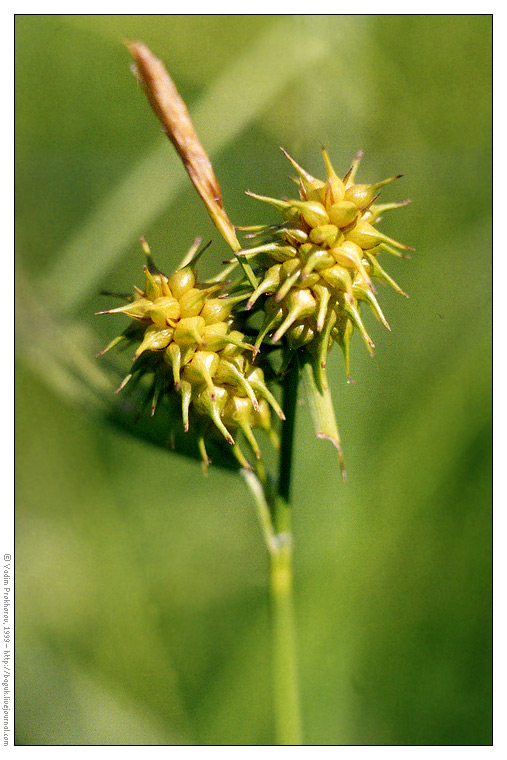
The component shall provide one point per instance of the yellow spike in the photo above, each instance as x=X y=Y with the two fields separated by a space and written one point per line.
x=365 y=294
x=124 y=382
x=335 y=189
x=301 y=304
x=243 y=461
x=186 y=397
x=256 y=379
x=287 y=284
x=228 y=373
x=381 y=274
x=353 y=313
x=173 y=354
x=276 y=202
x=110 y=345
x=206 y=461
x=349 y=177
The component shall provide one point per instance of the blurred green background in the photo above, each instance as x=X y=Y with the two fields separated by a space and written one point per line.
x=142 y=613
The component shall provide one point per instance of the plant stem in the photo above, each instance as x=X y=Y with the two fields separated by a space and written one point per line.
x=286 y=693
x=274 y=514
x=289 y=403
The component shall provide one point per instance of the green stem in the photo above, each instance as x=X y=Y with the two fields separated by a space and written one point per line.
x=289 y=403
x=286 y=693
x=275 y=518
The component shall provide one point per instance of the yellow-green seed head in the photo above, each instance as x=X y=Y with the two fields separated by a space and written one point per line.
x=185 y=336
x=323 y=261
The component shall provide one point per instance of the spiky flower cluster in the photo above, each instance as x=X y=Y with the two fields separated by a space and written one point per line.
x=307 y=279
x=187 y=342
x=316 y=268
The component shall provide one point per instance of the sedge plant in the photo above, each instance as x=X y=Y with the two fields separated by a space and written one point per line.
x=225 y=357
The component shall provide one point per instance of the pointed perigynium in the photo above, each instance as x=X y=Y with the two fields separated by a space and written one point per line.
x=187 y=343
x=316 y=268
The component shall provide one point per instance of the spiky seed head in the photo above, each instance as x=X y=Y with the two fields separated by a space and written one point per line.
x=186 y=340
x=312 y=296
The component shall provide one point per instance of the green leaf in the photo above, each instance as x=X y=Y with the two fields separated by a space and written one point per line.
x=321 y=409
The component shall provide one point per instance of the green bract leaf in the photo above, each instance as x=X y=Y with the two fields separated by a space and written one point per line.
x=321 y=410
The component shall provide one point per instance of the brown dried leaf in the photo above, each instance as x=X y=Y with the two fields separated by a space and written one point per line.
x=172 y=112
